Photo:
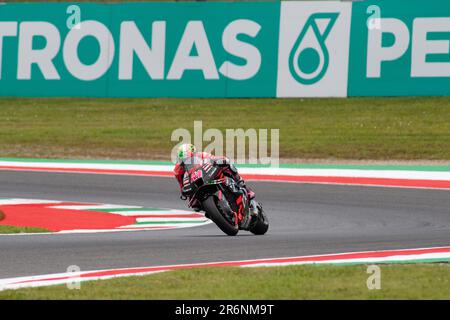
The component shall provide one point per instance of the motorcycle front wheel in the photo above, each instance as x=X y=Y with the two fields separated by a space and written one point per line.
x=217 y=217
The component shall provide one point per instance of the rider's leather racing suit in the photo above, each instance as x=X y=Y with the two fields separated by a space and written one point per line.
x=228 y=169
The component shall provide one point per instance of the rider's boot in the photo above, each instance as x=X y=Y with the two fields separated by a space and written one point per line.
x=242 y=185
x=253 y=208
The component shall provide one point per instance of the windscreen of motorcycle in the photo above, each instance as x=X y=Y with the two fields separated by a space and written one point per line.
x=194 y=162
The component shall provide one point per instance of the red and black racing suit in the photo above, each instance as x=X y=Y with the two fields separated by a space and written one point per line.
x=228 y=170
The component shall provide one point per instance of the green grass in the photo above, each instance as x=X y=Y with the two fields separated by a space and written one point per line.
x=296 y=282
x=355 y=128
x=11 y=229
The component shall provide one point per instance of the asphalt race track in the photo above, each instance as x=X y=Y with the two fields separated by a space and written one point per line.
x=304 y=219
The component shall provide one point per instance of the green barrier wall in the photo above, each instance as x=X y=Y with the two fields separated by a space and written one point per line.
x=241 y=49
x=414 y=56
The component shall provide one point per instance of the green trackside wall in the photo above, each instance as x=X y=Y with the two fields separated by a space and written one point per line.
x=229 y=49
x=398 y=76
x=214 y=17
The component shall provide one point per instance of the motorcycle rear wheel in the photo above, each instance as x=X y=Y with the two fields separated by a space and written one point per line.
x=216 y=216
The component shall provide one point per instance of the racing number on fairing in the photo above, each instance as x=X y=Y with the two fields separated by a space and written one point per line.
x=197 y=175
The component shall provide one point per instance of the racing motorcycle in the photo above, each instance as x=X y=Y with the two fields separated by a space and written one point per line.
x=207 y=188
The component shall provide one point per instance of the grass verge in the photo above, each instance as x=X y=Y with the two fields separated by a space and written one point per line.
x=12 y=229
x=295 y=282
x=355 y=128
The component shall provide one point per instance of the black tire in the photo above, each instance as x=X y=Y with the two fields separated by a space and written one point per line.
x=214 y=214
x=262 y=225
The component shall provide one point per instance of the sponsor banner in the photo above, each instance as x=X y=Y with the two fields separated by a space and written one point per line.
x=244 y=49
x=139 y=49
x=400 y=48
x=313 y=49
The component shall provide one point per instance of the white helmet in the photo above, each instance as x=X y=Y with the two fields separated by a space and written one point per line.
x=185 y=151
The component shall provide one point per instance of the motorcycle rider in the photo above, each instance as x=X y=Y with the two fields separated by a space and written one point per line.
x=187 y=154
